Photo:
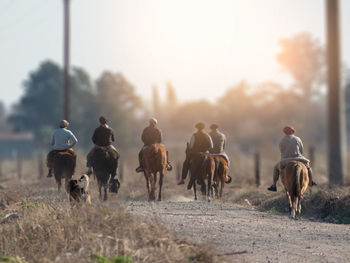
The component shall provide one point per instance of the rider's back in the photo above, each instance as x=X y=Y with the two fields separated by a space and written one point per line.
x=103 y=136
x=291 y=146
x=62 y=138
x=151 y=135
x=218 y=139
x=202 y=142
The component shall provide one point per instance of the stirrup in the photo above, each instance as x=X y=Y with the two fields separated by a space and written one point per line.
x=139 y=169
x=169 y=167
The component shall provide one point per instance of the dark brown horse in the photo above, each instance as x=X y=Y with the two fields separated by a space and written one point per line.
x=104 y=165
x=201 y=167
x=63 y=167
x=154 y=161
x=295 y=180
x=221 y=175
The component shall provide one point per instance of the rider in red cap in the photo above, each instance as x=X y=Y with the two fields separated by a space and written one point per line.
x=291 y=148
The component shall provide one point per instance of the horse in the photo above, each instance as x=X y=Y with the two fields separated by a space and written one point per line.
x=295 y=180
x=201 y=167
x=221 y=175
x=63 y=167
x=154 y=160
x=104 y=165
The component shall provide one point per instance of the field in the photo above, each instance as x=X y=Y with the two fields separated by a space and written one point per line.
x=39 y=225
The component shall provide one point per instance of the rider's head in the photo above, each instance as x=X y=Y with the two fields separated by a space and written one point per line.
x=102 y=120
x=64 y=124
x=153 y=122
x=288 y=130
x=200 y=126
x=214 y=127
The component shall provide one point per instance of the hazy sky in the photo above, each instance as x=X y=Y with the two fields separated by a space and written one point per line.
x=201 y=46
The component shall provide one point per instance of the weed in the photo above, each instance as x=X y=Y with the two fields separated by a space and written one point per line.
x=115 y=259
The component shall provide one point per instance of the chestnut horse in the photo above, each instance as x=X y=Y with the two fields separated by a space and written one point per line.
x=201 y=167
x=154 y=160
x=295 y=180
x=221 y=175
x=63 y=167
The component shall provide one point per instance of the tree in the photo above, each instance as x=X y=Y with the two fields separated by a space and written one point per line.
x=171 y=96
x=40 y=108
x=304 y=58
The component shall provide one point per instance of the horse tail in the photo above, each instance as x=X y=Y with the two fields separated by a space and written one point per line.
x=296 y=181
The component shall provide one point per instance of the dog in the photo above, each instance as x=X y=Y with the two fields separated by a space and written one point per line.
x=79 y=190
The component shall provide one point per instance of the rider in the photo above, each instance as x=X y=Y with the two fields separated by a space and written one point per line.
x=150 y=135
x=103 y=137
x=62 y=140
x=200 y=142
x=291 y=148
x=219 y=142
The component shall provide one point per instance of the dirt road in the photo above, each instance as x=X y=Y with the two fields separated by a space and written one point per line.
x=254 y=236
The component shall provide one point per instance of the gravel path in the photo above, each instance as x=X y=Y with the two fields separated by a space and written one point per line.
x=255 y=236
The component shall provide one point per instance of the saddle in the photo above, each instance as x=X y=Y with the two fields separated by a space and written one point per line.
x=283 y=163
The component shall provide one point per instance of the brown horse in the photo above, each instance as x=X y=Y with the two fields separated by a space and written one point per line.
x=295 y=180
x=221 y=175
x=201 y=167
x=154 y=160
x=63 y=167
x=104 y=165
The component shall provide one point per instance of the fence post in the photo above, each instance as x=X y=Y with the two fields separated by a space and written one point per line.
x=0 y=167
x=312 y=156
x=40 y=166
x=257 y=168
x=19 y=165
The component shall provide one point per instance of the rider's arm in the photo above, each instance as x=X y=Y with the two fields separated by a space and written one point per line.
x=211 y=143
x=73 y=140
x=301 y=146
x=52 y=141
x=160 y=136
x=112 y=136
x=192 y=141
x=94 y=137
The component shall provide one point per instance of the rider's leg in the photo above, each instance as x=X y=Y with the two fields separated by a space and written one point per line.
x=140 y=168
x=49 y=161
x=185 y=168
x=309 y=171
x=89 y=161
x=217 y=162
x=276 y=174
x=168 y=165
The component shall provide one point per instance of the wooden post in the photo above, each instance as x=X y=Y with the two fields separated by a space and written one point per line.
x=257 y=168
x=66 y=59
x=336 y=113
x=40 y=166
x=1 y=167
x=312 y=156
x=19 y=165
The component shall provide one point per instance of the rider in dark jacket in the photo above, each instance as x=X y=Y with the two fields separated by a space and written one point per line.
x=200 y=142
x=103 y=137
x=150 y=135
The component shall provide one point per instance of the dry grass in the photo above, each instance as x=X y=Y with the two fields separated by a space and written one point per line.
x=326 y=204
x=46 y=229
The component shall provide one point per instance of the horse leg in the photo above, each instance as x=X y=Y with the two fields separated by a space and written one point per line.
x=160 y=186
x=294 y=206
x=195 y=191
x=289 y=203
x=100 y=190
x=105 y=192
x=221 y=188
x=147 y=184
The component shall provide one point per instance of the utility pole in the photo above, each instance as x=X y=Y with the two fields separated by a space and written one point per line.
x=66 y=59
x=336 y=115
